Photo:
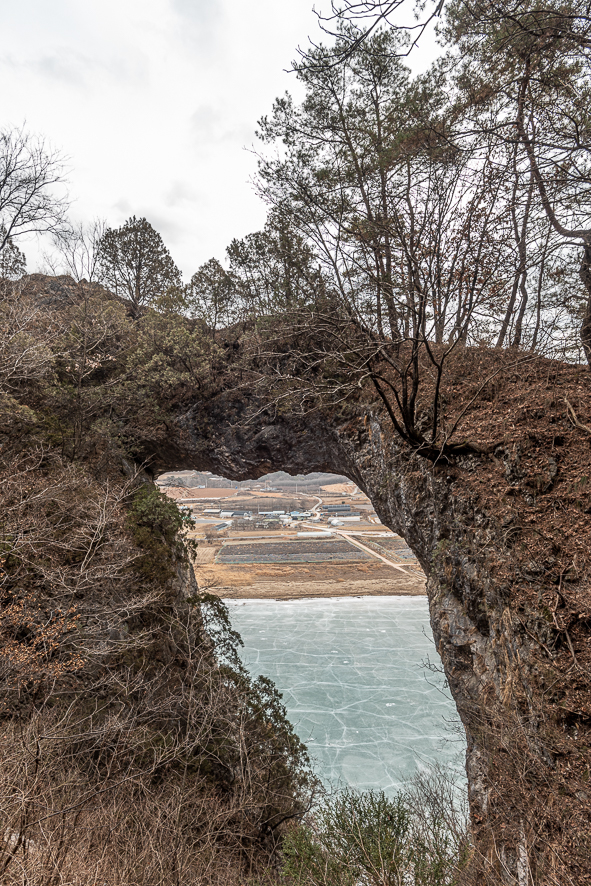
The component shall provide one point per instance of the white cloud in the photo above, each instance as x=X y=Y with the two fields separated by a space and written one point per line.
x=154 y=101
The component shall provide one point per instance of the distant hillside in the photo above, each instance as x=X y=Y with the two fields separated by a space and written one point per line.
x=192 y=479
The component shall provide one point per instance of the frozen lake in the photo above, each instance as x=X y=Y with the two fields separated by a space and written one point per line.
x=353 y=681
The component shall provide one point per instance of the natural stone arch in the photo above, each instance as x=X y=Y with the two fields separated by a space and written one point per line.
x=502 y=531
x=496 y=646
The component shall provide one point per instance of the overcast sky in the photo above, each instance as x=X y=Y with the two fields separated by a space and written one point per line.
x=154 y=103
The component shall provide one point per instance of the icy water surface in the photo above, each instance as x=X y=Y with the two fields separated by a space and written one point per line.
x=353 y=682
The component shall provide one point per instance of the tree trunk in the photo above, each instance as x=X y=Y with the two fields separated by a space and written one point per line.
x=508 y=314
x=516 y=343
x=585 y=275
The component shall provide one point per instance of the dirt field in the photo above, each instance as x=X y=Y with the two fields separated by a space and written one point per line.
x=287 y=580
x=264 y=563
x=339 y=488
x=293 y=551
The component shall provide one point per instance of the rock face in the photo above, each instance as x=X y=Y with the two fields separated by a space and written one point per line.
x=509 y=600
x=503 y=533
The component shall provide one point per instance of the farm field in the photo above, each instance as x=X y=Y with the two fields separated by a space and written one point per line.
x=389 y=543
x=290 y=568
x=396 y=546
x=296 y=551
x=247 y=560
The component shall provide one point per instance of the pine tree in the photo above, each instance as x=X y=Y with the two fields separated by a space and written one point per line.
x=135 y=264
x=13 y=263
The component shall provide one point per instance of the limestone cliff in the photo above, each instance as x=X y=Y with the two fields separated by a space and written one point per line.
x=503 y=536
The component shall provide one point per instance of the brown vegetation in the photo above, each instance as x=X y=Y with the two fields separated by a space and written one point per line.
x=536 y=482
x=134 y=747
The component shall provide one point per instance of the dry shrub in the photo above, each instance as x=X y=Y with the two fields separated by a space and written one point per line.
x=59 y=828
x=418 y=836
x=160 y=767
x=134 y=747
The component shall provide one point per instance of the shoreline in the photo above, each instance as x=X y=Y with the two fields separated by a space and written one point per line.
x=414 y=586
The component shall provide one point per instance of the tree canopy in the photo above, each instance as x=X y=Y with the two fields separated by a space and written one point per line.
x=30 y=176
x=12 y=261
x=135 y=264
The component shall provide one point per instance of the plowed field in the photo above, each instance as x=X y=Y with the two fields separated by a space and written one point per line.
x=388 y=546
x=300 y=551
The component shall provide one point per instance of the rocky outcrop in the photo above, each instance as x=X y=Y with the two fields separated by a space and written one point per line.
x=500 y=522
x=502 y=537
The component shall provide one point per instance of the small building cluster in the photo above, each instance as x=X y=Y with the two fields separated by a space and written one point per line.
x=221 y=516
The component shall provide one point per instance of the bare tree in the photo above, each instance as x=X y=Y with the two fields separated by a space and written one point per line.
x=77 y=250
x=411 y=231
x=365 y=17
x=523 y=74
x=29 y=176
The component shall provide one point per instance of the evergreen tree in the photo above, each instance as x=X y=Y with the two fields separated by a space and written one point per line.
x=135 y=263
x=211 y=295
x=13 y=263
